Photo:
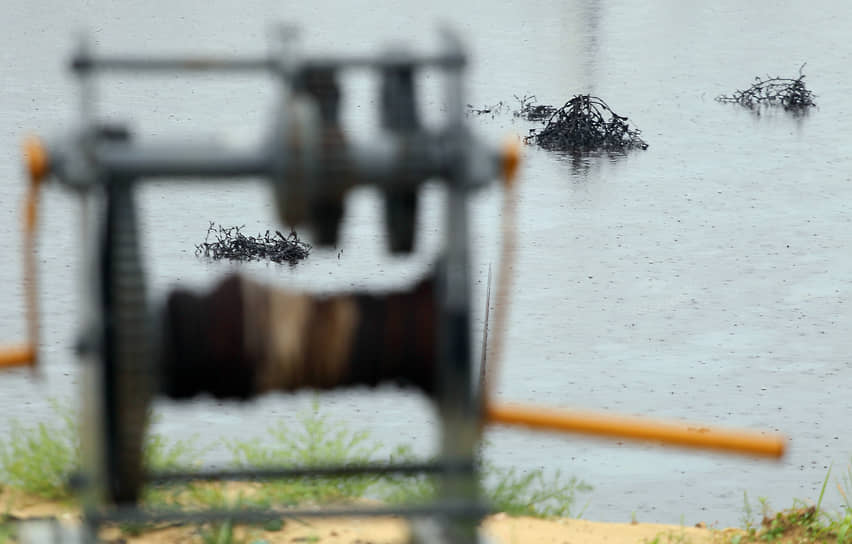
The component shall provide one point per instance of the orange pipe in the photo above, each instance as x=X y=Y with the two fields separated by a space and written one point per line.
x=37 y=166
x=13 y=356
x=638 y=429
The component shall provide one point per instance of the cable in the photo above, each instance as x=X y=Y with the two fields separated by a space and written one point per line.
x=504 y=287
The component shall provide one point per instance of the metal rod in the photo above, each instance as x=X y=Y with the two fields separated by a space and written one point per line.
x=380 y=162
x=389 y=62
x=123 y=160
x=483 y=356
x=312 y=472
x=457 y=405
x=639 y=429
x=82 y=63
x=451 y=509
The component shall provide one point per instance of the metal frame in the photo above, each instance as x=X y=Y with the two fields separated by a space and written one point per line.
x=103 y=164
x=310 y=166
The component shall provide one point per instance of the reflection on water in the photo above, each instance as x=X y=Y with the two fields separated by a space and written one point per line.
x=707 y=278
x=582 y=164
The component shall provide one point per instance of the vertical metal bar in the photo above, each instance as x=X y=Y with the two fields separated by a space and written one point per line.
x=90 y=359
x=283 y=38
x=456 y=403
x=126 y=363
x=114 y=351
x=91 y=492
x=84 y=78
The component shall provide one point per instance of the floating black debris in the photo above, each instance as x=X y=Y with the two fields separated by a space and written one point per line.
x=790 y=93
x=531 y=111
x=491 y=110
x=233 y=245
x=586 y=123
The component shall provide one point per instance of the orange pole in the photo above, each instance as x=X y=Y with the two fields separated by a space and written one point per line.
x=638 y=429
x=37 y=167
x=13 y=356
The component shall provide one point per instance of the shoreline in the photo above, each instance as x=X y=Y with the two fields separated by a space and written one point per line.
x=500 y=528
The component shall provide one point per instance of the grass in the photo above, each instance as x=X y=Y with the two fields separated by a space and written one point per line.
x=802 y=523
x=7 y=532
x=533 y=493
x=845 y=489
x=747 y=519
x=38 y=460
x=316 y=440
x=7 y=529
x=670 y=538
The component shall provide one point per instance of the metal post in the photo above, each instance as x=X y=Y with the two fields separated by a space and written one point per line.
x=456 y=403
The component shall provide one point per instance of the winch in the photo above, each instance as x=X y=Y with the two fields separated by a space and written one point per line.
x=242 y=339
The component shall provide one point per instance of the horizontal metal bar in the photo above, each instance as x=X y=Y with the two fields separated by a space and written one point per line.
x=194 y=64
x=260 y=64
x=385 y=161
x=136 y=161
x=384 y=62
x=452 y=509
x=311 y=472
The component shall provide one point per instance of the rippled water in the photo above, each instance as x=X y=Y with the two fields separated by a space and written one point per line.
x=708 y=278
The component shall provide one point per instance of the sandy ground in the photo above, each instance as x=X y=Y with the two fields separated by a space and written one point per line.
x=499 y=528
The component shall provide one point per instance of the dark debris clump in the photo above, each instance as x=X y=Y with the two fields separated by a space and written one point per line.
x=530 y=111
x=586 y=123
x=789 y=93
x=231 y=244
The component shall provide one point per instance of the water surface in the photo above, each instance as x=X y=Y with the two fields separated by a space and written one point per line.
x=708 y=278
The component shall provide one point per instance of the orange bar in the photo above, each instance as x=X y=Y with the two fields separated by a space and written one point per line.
x=16 y=356
x=36 y=158
x=639 y=429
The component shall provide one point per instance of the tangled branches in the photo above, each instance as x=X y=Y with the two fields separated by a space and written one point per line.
x=233 y=245
x=530 y=111
x=586 y=123
x=789 y=93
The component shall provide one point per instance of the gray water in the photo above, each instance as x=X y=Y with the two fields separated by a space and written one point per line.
x=706 y=279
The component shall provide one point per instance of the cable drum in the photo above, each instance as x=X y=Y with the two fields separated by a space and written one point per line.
x=243 y=339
